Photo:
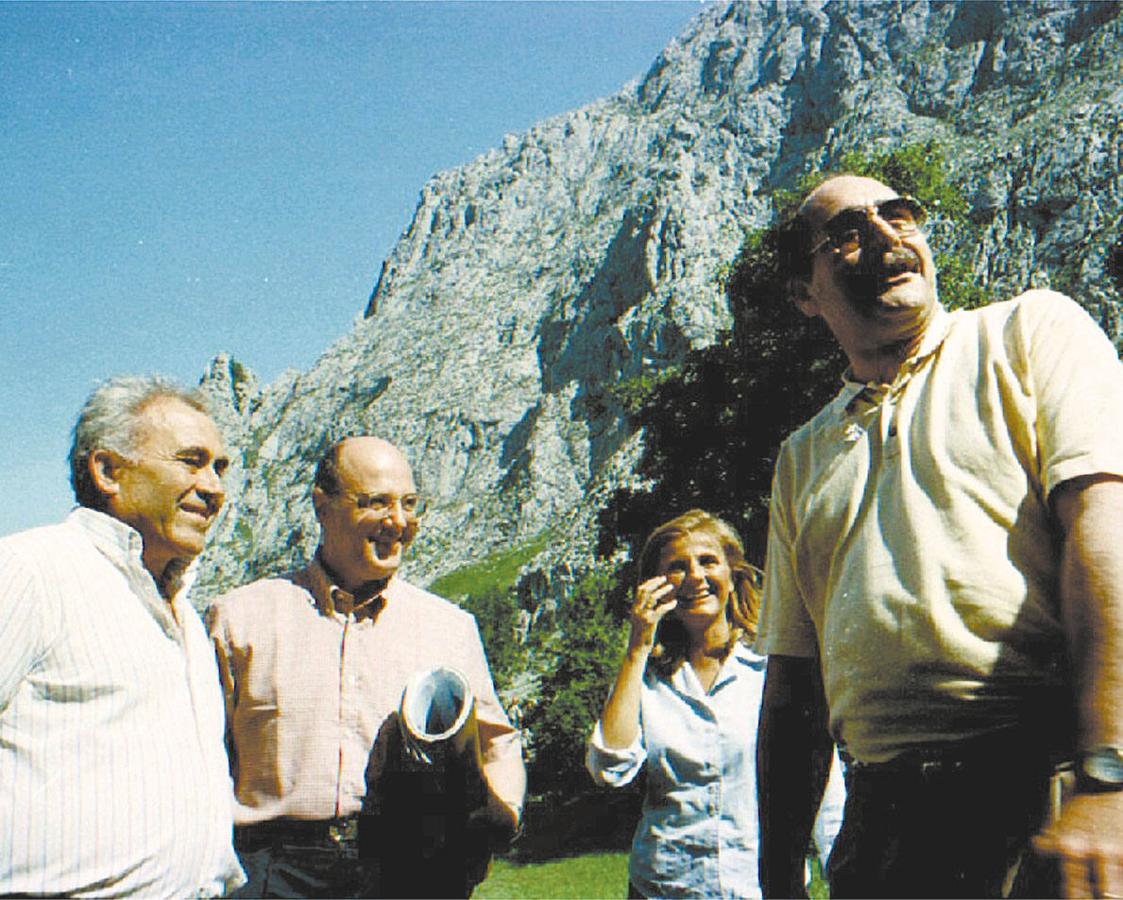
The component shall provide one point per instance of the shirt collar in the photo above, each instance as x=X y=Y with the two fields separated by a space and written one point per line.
x=123 y=546
x=331 y=599
x=732 y=666
x=934 y=336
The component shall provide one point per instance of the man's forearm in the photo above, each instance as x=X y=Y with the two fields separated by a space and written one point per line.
x=793 y=761
x=1091 y=587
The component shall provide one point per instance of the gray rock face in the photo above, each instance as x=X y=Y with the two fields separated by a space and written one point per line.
x=584 y=252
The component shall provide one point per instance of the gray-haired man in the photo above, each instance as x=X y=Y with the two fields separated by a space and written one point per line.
x=112 y=765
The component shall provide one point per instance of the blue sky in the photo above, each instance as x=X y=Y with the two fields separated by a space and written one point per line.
x=185 y=179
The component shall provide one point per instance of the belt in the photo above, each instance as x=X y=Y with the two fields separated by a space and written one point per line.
x=327 y=832
x=1009 y=751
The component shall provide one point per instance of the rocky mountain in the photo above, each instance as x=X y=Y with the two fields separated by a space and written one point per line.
x=535 y=280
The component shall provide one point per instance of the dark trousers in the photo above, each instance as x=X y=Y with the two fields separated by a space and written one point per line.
x=946 y=824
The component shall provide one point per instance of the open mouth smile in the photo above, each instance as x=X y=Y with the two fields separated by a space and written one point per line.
x=383 y=545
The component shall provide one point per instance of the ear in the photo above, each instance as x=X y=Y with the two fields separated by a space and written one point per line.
x=799 y=292
x=319 y=499
x=105 y=469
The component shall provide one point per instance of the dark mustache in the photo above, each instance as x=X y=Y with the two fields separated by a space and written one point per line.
x=892 y=262
x=864 y=282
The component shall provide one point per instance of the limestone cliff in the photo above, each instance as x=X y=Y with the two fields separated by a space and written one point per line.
x=585 y=252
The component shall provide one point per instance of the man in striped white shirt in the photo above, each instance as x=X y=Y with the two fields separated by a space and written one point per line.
x=113 y=775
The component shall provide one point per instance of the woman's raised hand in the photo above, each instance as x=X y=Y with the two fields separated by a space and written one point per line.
x=654 y=599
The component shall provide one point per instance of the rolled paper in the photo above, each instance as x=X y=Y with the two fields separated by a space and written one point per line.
x=439 y=730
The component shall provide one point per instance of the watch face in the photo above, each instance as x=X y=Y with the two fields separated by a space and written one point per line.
x=1104 y=764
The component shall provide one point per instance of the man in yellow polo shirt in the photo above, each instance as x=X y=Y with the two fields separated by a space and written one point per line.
x=945 y=569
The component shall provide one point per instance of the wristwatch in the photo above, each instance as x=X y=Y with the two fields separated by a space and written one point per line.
x=1101 y=769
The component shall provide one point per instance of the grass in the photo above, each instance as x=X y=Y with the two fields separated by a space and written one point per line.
x=595 y=875
x=818 y=889
x=495 y=571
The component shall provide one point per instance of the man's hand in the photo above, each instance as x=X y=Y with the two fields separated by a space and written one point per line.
x=500 y=820
x=1087 y=840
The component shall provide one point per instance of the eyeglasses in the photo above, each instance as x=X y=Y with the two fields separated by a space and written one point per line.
x=850 y=229
x=382 y=505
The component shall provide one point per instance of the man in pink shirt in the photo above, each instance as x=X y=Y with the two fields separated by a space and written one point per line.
x=313 y=666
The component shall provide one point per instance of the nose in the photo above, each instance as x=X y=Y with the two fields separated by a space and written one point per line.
x=396 y=514
x=209 y=486
x=695 y=572
x=879 y=231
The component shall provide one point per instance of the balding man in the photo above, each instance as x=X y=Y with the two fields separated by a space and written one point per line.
x=944 y=552
x=314 y=665
x=113 y=776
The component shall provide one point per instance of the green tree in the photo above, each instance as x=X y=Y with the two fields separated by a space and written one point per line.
x=579 y=658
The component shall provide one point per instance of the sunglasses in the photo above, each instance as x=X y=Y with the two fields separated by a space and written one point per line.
x=850 y=229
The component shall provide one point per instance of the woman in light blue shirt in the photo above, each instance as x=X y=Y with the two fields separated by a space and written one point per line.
x=685 y=705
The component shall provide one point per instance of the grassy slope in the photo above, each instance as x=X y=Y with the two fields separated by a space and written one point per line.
x=497 y=571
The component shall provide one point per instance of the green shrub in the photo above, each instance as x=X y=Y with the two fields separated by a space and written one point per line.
x=917 y=169
x=579 y=658
x=633 y=393
x=572 y=654
x=497 y=614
